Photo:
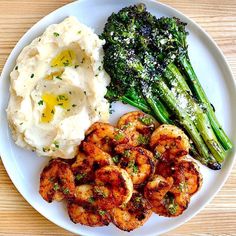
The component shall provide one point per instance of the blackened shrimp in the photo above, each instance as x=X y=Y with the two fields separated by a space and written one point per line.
x=138 y=162
x=113 y=187
x=170 y=139
x=165 y=202
x=133 y=214
x=102 y=135
x=137 y=127
x=57 y=181
x=192 y=176
x=88 y=161
x=83 y=210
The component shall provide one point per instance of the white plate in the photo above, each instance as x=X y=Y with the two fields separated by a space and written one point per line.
x=24 y=167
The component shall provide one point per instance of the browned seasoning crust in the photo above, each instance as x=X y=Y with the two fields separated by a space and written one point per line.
x=133 y=214
x=57 y=181
x=113 y=187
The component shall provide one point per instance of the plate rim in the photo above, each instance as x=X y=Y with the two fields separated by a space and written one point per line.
x=186 y=18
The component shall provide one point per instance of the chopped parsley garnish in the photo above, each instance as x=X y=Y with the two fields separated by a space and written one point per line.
x=91 y=200
x=40 y=102
x=157 y=155
x=74 y=105
x=99 y=68
x=147 y=120
x=79 y=32
x=118 y=136
x=61 y=98
x=135 y=169
x=127 y=153
x=66 y=63
x=56 y=144
x=101 y=212
x=80 y=176
x=16 y=68
x=99 y=192
x=143 y=139
x=32 y=76
x=85 y=93
x=126 y=126
x=133 y=166
x=56 y=34
x=56 y=187
x=58 y=77
x=76 y=66
x=46 y=149
x=115 y=159
x=66 y=191
x=52 y=111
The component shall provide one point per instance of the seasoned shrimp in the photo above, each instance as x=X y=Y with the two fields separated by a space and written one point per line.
x=102 y=135
x=87 y=216
x=138 y=162
x=133 y=215
x=192 y=177
x=163 y=201
x=185 y=173
x=83 y=210
x=137 y=127
x=170 y=139
x=113 y=187
x=57 y=181
x=156 y=189
x=88 y=161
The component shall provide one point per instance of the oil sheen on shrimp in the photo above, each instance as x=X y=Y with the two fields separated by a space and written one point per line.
x=57 y=181
x=138 y=162
x=83 y=210
x=102 y=135
x=137 y=128
x=113 y=187
x=88 y=161
x=170 y=139
x=165 y=202
x=133 y=214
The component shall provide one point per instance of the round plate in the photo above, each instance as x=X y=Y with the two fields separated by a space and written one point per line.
x=24 y=167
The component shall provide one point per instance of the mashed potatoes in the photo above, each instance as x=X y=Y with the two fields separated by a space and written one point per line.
x=57 y=90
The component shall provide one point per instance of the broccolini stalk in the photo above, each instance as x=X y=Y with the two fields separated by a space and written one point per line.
x=199 y=118
x=201 y=96
x=205 y=157
x=174 y=30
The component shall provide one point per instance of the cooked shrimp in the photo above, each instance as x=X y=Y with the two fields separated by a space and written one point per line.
x=163 y=201
x=138 y=162
x=133 y=215
x=170 y=139
x=137 y=127
x=185 y=173
x=88 y=161
x=87 y=216
x=57 y=181
x=113 y=187
x=102 y=135
x=156 y=189
x=172 y=205
x=83 y=210
x=192 y=177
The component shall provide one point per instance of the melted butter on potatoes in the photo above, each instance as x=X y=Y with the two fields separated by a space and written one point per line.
x=57 y=90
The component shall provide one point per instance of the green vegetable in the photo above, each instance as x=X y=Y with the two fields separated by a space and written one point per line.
x=142 y=57
x=80 y=176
